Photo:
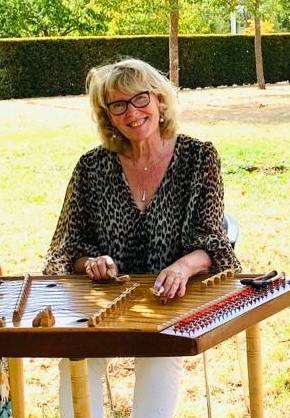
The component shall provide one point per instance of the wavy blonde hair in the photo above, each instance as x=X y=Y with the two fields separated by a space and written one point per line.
x=129 y=76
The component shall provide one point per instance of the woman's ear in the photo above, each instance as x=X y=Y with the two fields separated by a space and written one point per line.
x=159 y=98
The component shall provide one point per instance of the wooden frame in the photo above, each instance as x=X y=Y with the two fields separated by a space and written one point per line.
x=78 y=343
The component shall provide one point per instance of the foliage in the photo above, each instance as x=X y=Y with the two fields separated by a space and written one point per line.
x=20 y=18
x=50 y=18
x=266 y=27
x=58 y=66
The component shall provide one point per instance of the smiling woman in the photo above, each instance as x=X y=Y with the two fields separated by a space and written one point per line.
x=130 y=77
x=147 y=200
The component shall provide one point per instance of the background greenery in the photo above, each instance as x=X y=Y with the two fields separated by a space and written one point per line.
x=58 y=66
x=40 y=142
x=20 y=18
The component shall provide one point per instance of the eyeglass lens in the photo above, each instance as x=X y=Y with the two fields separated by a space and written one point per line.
x=120 y=106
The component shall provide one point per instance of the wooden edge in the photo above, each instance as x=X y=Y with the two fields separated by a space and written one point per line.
x=242 y=322
x=133 y=276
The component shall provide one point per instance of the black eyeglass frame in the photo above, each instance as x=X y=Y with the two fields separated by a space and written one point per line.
x=129 y=101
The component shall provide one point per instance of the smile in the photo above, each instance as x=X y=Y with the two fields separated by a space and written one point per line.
x=137 y=123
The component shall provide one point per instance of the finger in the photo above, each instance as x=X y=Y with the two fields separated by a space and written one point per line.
x=89 y=271
x=160 y=280
x=112 y=271
x=182 y=288
x=95 y=270
x=173 y=289
x=109 y=261
x=168 y=282
x=100 y=268
x=92 y=268
x=111 y=268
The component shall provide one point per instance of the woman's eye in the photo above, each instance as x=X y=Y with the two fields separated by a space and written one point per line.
x=118 y=106
x=140 y=99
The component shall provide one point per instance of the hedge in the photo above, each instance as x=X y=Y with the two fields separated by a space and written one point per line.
x=37 y=67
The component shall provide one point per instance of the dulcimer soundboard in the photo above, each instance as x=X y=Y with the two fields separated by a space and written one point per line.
x=73 y=316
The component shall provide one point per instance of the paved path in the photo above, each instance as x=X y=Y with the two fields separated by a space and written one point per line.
x=210 y=105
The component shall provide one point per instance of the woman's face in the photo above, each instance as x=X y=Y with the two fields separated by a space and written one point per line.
x=136 y=123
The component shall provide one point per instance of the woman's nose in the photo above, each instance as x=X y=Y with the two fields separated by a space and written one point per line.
x=131 y=108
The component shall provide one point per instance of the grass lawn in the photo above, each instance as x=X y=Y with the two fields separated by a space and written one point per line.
x=40 y=142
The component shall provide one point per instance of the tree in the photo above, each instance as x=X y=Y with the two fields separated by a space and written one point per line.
x=173 y=42
x=20 y=18
x=258 y=47
x=254 y=7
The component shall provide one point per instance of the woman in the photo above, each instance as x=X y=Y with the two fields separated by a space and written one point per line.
x=147 y=200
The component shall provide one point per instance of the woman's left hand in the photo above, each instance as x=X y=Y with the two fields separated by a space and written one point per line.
x=173 y=279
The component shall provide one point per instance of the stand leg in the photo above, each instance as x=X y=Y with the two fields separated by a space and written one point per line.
x=80 y=388
x=255 y=373
x=17 y=386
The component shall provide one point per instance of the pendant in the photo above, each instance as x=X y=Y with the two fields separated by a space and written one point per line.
x=143 y=198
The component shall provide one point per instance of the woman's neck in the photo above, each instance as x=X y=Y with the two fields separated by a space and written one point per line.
x=145 y=153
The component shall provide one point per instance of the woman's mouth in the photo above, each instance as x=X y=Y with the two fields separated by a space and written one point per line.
x=137 y=123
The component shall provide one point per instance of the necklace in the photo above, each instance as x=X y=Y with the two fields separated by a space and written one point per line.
x=143 y=197
x=148 y=174
x=144 y=179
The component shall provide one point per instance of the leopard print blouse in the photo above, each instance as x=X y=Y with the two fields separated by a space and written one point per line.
x=99 y=215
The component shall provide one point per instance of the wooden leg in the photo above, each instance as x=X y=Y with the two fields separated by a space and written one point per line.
x=255 y=373
x=16 y=386
x=80 y=388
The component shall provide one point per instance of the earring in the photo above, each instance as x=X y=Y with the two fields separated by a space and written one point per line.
x=114 y=135
x=161 y=118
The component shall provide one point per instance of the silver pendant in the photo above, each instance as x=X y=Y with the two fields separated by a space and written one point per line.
x=143 y=198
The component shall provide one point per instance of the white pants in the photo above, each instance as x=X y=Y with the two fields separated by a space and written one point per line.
x=157 y=382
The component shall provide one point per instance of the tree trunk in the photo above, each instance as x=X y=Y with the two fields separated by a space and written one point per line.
x=173 y=43
x=258 y=51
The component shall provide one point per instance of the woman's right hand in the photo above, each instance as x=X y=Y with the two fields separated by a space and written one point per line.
x=100 y=268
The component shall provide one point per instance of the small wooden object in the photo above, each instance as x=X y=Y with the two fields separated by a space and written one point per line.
x=44 y=318
x=22 y=297
x=217 y=278
x=95 y=319
x=2 y=322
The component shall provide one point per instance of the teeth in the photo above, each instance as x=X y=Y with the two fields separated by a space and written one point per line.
x=137 y=123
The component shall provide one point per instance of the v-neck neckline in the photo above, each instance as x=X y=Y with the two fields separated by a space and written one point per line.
x=126 y=186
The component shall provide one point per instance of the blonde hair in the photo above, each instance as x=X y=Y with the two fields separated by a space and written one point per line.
x=129 y=76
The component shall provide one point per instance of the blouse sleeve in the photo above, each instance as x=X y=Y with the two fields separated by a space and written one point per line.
x=204 y=222
x=69 y=240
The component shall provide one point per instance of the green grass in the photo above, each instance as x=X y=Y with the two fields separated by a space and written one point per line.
x=36 y=161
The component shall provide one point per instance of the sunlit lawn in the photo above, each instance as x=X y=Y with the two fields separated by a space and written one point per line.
x=37 y=153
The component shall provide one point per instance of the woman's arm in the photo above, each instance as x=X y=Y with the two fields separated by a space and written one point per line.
x=203 y=226
x=68 y=238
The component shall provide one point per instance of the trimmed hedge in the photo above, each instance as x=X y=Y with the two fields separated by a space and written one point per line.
x=58 y=66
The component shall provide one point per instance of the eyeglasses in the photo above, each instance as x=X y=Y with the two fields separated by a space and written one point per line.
x=119 y=107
